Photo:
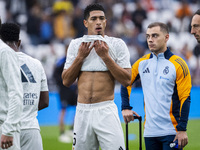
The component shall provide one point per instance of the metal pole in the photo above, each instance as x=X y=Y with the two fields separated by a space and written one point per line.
x=127 y=137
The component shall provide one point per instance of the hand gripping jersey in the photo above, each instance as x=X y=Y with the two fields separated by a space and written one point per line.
x=166 y=85
x=33 y=81
x=118 y=51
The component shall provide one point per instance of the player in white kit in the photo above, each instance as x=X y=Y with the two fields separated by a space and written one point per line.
x=35 y=95
x=11 y=93
x=97 y=61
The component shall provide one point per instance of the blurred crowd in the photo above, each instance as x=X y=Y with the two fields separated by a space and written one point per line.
x=47 y=26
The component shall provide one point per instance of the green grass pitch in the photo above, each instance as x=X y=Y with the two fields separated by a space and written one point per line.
x=50 y=137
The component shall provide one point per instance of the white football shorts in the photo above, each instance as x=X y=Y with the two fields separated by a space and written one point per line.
x=98 y=125
x=30 y=139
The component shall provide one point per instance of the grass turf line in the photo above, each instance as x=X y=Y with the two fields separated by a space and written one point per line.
x=50 y=137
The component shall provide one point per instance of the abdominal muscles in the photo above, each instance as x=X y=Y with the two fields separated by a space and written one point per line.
x=94 y=87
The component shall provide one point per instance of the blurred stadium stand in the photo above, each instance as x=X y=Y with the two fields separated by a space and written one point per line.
x=47 y=24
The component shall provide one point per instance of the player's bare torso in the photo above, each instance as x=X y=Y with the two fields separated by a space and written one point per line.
x=94 y=87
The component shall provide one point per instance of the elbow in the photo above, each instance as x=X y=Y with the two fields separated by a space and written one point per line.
x=46 y=105
x=127 y=80
x=67 y=84
x=43 y=106
x=127 y=83
x=44 y=100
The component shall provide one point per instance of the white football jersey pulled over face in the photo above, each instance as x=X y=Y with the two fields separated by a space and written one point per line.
x=34 y=81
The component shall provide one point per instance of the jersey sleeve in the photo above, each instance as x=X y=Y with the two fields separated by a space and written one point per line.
x=11 y=74
x=44 y=85
x=123 y=55
x=183 y=82
x=71 y=55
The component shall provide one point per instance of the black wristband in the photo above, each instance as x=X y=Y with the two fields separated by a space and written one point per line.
x=126 y=107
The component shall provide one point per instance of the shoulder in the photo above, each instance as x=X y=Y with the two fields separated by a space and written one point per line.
x=118 y=45
x=140 y=60
x=177 y=60
x=114 y=40
x=5 y=48
x=74 y=44
x=179 y=64
x=145 y=57
x=76 y=41
x=28 y=59
x=35 y=61
x=7 y=51
x=22 y=55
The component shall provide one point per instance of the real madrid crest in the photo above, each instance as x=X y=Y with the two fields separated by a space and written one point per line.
x=166 y=70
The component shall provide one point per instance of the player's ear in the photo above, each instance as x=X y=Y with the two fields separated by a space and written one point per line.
x=18 y=43
x=85 y=23
x=167 y=37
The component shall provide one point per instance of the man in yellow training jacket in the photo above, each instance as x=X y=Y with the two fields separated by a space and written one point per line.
x=166 y=85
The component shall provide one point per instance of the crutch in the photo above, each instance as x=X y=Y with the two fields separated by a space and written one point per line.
x=140 y=133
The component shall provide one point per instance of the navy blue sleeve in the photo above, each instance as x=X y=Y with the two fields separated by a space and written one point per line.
x=182 y=124
x=125 y=98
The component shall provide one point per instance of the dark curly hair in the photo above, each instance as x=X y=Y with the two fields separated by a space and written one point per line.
x=92 y=7
x=10 y=32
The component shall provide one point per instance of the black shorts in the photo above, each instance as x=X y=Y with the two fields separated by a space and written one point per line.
x=68 y=96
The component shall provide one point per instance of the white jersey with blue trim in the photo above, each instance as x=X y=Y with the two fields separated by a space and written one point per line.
x=118 y=51
x=34 y=81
